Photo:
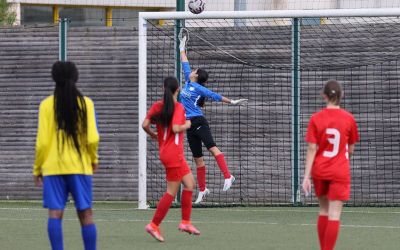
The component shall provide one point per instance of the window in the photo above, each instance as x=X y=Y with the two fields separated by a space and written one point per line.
x=125 y=17
x=84 y=16
x=36 y=14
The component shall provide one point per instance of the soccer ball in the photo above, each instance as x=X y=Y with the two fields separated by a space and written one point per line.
x=196 y=6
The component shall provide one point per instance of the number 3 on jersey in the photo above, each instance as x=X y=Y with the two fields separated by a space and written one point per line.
x=335 y=141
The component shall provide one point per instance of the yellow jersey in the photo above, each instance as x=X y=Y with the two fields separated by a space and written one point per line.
x=53 y=160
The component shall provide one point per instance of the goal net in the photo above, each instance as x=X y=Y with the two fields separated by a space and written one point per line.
x=279 y=61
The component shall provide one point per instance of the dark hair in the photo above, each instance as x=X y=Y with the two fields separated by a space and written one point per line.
x=202 y=76
x=69 y=105
x=333 y=91
x=201 y=101
x=164 y=118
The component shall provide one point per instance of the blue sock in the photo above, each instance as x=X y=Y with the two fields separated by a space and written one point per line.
x=54 y=229
x=89 y=235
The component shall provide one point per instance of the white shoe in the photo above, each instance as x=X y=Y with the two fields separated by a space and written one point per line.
x=202 y=194
x=228 y=183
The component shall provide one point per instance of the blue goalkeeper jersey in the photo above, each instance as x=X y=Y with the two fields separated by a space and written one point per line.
x=192 y=92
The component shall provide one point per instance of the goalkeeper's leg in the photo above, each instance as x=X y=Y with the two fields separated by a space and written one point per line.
x=204 y=133
x=201 y=179
x=195 y=145
x=223 y=166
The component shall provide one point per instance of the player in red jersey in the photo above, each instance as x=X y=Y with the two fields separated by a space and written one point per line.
x=331 y=136
x=169 y=117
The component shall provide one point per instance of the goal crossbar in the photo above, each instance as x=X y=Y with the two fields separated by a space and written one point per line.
x=384 y=12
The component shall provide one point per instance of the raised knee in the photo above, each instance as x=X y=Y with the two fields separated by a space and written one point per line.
x=191 y=187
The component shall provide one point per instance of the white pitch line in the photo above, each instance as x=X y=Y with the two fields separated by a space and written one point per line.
x=352 y=226
x=216 y=222
x=215 y=209
x=298 y=211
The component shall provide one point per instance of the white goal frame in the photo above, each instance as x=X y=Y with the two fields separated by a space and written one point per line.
x=145 y=16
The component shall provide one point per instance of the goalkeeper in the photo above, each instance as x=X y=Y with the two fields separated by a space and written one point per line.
x=192 y=97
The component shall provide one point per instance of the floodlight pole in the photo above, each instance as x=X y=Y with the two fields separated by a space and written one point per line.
x=62 y=39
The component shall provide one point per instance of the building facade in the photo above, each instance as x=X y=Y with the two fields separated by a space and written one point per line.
x=125 y=12
x=86 y=12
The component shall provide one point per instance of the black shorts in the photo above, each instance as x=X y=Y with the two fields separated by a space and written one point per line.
x=199 y=133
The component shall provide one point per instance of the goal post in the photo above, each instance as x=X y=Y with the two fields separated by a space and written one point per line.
x=142 y=140
x=295 y=133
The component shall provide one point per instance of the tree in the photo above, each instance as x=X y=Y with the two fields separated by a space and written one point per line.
x=7 y=16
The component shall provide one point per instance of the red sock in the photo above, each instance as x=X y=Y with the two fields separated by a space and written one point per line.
x=321 y=226
x=222 y=165
x=201 y=178
x=186 y=204
x=331 y=234
x=162 y=208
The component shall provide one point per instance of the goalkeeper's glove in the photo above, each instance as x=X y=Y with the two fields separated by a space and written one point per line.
x=239 y=102
x=182 y=43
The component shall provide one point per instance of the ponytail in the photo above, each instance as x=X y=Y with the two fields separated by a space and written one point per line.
x=168 y=109
x=202 y=99
x=202 y=78
x=69 y=107
x=165 y=116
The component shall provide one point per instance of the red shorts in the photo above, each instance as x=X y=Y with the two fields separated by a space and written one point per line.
x=177 y=173
x=332 y=189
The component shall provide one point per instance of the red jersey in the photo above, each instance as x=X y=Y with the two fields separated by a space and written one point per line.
x=170 y=144
x=332 y=130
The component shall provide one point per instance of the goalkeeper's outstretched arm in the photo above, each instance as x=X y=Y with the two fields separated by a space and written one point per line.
x=185 y=66
x=216 y=97
x=182 y=49
x=184 y=59
x=204 y=91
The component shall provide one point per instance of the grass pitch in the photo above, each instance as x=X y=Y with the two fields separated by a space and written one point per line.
x=121 y=226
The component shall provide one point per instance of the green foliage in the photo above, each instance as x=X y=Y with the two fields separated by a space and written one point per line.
x=7 y=16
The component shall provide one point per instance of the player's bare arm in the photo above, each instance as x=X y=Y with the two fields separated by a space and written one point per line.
x=181 y=128
x=311 y=152
x=146 y=127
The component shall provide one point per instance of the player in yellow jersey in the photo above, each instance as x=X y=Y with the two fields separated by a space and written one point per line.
x=66 y=154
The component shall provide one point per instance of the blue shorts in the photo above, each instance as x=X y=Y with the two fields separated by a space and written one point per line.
x=57 y=187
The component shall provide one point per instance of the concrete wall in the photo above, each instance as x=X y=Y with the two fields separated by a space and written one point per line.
x=107 y=63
